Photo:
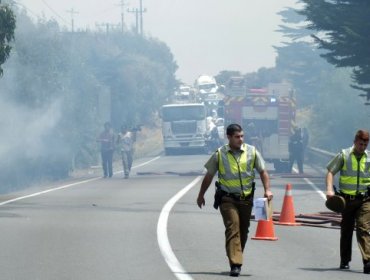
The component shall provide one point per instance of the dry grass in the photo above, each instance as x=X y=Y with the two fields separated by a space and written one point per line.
x=148 y=141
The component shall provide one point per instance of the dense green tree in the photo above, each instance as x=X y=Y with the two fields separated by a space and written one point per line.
x=344 y=35
x=7 y=27
x=330 y=107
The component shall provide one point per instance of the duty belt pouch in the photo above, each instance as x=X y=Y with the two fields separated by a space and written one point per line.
x=218 y=196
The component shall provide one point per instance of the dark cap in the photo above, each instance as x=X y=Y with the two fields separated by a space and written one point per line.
x=336 y=203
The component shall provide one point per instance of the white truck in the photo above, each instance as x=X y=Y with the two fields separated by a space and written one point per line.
x=205 y=85
x=184 y=127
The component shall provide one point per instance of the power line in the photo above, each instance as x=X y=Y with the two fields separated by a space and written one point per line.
x=108 y=26
x=54 y=12
x=25 y=7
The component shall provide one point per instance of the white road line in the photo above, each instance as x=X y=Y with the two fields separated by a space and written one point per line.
x=47 y=191
x=145 y=163
x=308 y=181
x=162 y=237
x=320 y=192
x=67 y=186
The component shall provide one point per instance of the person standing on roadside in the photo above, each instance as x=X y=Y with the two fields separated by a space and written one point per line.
x=235 y=163
x=106 y=140
x=354 y=186
x=125 y=140
x=296 y=150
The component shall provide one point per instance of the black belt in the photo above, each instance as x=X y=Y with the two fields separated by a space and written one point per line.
x=359 y=196
x=236 y=196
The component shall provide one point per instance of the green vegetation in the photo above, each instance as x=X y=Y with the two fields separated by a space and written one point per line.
x=322 y=71
x=7 y=26
x=59 y=88
x=344 y=35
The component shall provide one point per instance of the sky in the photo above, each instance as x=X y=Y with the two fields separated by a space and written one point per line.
x=205 y=36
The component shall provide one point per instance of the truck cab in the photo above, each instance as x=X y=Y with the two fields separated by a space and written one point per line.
x=184 y=127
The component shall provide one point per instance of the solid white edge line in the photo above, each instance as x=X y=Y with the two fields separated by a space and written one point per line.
x=320 y=192
x=145 y=163
x=162 y=236
x=47 y=191
x=67 y=186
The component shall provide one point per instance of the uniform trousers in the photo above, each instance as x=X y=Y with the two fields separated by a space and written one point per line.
x=356 y=213
x=236 y=216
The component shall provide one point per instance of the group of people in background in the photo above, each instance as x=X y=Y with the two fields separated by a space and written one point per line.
x=124 y=140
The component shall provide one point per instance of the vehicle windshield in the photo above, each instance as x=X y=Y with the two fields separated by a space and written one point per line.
x=207 y=86
x=182 y=113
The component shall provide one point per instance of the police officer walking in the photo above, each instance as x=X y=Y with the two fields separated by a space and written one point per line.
x=354 y=186
x=235 y=163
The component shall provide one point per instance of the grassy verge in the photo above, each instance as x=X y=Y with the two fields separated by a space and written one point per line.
x=148 y=143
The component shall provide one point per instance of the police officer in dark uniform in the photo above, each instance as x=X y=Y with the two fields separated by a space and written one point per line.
x=296 y=150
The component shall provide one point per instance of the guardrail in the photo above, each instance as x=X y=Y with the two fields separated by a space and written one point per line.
x=318 y=156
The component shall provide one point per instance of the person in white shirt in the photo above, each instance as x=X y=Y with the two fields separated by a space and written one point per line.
x=125 y=140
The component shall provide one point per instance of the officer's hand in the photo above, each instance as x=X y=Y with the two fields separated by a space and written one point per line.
x=269 y=195
x=329 y=194
x=200 y=201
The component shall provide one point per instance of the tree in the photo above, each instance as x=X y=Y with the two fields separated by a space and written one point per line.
x=223 y=77
x=344 y=35
x=7 y=27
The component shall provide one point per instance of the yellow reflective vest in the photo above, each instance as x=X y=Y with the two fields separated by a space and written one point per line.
x=236 y=175
x=355 y=174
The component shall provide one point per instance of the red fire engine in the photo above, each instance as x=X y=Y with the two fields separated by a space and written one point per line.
x=267 y=116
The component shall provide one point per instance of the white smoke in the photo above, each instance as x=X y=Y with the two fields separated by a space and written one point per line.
x=23 y=129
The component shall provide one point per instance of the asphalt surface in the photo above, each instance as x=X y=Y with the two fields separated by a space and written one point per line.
x=149 y=227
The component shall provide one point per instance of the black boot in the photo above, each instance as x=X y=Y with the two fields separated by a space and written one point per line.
x=367 y=268
x=344 y=265
x=235 y=270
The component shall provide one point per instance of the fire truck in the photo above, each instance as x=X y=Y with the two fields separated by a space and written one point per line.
x=267 y=116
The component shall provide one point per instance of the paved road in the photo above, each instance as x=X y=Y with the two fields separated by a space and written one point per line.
x=148 y=227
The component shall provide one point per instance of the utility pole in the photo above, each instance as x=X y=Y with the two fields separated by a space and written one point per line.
x=122 y=4
x=136 y=11
x=72 y=12
x=141 y=17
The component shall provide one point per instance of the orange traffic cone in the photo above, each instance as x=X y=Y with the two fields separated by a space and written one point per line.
x=265 y=230
x=287 y=215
